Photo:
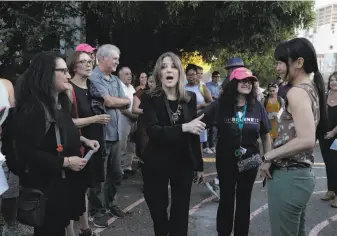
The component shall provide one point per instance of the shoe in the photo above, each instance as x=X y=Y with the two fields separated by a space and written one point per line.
x=100 y=220
x=213 y=150
x=117 y=212
x=214 y=188
x=208 y=151
x=330 y=195
x=88 y=232
x=334 y=203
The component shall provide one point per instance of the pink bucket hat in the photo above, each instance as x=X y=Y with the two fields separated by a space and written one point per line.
x=242 y=73
x=83 y=47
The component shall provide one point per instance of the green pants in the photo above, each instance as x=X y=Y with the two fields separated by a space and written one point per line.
x=288 y=194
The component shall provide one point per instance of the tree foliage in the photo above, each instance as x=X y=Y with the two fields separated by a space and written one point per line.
x=30 y=27
x=143 y=30
x=196 y=59
x=263 y=66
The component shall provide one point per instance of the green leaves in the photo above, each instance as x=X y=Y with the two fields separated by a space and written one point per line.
x=143 y=30
x=262 y=63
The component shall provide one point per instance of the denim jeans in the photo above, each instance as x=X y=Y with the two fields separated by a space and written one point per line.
x=113 y=175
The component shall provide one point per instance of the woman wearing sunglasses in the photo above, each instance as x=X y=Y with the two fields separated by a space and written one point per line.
x=241 y=120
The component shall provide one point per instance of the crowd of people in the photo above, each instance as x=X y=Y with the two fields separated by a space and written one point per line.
x=71 y=132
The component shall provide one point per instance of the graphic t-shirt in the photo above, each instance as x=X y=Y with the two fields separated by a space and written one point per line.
x=256 y=123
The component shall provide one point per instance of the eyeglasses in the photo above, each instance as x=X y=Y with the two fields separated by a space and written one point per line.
x=64 y=70
x=246 y=81
x=85 y=62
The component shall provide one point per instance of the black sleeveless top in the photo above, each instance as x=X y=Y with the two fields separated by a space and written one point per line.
x=332 y=117
x=83 y=98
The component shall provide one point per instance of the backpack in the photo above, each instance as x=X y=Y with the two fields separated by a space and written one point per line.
x=279 y=100
x=8 y=147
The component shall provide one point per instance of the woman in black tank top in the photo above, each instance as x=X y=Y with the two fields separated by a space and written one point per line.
x=328 y=154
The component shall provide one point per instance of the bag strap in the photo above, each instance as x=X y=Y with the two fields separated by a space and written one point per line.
x=82 y=149
x=201 y=88
x=76 y=108
x=59 y=145
x=279 y=99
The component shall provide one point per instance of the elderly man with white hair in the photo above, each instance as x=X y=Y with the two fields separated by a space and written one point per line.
x=111 y=90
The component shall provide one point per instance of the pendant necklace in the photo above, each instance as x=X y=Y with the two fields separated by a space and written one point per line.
x=175 y=115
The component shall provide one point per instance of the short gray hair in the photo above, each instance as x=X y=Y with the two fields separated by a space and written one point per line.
x=106 y=50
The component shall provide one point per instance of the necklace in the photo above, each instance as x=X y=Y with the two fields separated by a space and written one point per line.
x=175 y=115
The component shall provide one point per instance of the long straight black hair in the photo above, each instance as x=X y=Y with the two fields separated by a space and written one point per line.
x=300 y=47
x=334 y=74
x=38 y=82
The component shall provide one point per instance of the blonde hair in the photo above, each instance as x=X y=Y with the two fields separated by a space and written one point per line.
x=157 y=89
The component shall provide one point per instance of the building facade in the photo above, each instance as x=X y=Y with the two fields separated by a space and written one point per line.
x=323 y=36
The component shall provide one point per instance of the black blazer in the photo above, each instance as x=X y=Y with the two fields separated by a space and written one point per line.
x=163 y=134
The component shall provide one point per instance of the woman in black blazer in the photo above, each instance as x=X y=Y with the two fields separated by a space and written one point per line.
x=173 y=153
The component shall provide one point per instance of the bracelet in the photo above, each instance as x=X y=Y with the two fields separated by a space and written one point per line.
x=265 y=160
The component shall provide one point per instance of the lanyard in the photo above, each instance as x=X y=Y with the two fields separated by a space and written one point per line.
x=241 y=120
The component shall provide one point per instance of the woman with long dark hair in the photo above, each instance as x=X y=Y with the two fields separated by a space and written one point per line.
x=304 y=120
x=141 y=81
x=48 y=142
x=241 y=120
x=329 y=155
x=173 y=153
x=137 y=108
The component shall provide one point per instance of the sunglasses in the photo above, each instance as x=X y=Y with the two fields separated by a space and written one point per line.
x=246 y=81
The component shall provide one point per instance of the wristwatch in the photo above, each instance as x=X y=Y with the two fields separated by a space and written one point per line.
x=265 y=160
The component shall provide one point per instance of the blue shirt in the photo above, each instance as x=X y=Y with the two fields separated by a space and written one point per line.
x=214 y=88
x=113 y=87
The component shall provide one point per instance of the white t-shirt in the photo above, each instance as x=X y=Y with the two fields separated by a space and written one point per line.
x=4 y=102
x=129 y=92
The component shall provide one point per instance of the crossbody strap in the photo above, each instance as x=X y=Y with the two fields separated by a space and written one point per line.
x=76 y=108
x=82 y=149
x=59 y=145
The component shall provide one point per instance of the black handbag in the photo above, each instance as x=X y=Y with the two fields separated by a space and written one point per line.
x=32 y=202
x=31 y=207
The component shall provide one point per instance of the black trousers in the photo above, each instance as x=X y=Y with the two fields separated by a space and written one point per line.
x=212 y=133
x=157 y=199
x=234 y=186
x=330 y=160
x=46 y=230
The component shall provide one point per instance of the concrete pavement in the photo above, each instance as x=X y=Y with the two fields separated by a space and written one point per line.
x=321 y=219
